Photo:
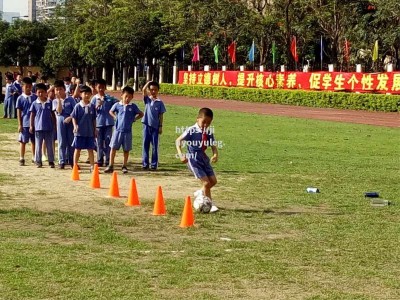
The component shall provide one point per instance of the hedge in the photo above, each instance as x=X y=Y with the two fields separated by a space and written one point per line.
x=373 y=102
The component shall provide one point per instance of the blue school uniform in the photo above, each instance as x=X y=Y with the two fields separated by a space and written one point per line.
x=122 y=135
x=24 y=103
x=151 y=124
x=18 y=86
x=9 y=107
x=196 y=141
x=65 y=134
x=44 y=128
x=85 y=116
x=104 y=124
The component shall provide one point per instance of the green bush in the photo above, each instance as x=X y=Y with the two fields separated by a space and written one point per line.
x=375 y=102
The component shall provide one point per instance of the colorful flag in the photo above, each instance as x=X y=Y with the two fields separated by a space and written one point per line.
x=196 y=53
x=293 y=48
x=273 y=52
x=232 y=51
x=216 y=52
x=375 y=52
x=251 y=52
x=346 y=51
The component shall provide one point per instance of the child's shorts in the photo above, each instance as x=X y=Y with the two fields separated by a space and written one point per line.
x=199 y=164
x=25 y=136
x=123 y=139
x=84 y=142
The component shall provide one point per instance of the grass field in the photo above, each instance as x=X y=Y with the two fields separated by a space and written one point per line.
x=271 y=240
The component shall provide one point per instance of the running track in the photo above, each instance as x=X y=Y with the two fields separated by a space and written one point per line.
x=327 y=114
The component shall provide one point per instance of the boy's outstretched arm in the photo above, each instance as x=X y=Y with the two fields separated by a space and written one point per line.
x=144 y=90
x=214 y=158
x=161 y=120
x=32 y=122
x=139 y=116
x=178 y=144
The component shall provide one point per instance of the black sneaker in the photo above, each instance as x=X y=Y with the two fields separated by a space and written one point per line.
x=22 y=162
x=39 y=165
x=124 y=169
x=61 y=166
x=109 y=169
x=145 y=167
x=51 y=164
x=153 y=169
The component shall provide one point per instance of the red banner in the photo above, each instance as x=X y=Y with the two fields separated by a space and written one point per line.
x=321 y=81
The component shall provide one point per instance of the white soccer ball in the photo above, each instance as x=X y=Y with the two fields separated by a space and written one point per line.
x=202 y=204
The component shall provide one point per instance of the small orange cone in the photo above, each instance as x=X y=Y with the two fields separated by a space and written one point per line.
x=133 y=198
x=95 y=180
x=159 y=205
x=187 y=214
x=114 y=189
x=75 y=173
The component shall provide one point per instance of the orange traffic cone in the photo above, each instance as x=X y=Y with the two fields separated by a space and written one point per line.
x=114 y=189
x=75 y=172
x=159 y=205
x=95 y=180
x=133 y=198
x=187 y=214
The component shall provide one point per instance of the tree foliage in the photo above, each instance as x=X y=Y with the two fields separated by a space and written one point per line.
x=97 y=33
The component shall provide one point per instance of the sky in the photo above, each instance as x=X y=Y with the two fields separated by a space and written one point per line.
x=20 y=6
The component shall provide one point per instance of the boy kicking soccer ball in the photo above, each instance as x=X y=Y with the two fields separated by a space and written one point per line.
x=197 y=138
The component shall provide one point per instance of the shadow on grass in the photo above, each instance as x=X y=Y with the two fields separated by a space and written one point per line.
x=277 y=212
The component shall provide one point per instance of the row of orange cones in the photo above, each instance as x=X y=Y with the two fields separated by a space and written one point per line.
x=133 y=197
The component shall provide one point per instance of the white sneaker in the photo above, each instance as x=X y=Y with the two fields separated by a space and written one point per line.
x=198 y=193
x=214 y=209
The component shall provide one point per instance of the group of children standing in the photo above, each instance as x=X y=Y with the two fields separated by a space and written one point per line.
x=86 y=122
x=100 y=122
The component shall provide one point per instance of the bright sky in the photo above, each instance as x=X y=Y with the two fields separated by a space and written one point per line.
x=20 y=6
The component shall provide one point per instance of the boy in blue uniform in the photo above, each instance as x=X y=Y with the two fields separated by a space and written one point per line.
x=197 y=138
x=104 y=122
x=126 y=113
x=63 y=106
x=24 y=103
x=154 y=110
x=42 y=121
x=84 y=120
x=18 y=85
x=11 y=90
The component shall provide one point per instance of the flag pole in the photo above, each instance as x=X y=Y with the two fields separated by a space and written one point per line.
x=321 y=53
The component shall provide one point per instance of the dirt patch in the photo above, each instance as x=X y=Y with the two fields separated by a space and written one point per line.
x=48 y=189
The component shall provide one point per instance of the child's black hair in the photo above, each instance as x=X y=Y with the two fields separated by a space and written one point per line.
x=154 y=83
x=85 y=89
x=44 y=77
x=10 y=77
x=41 y=86
x=67 y=78
x=205 y=112
x=101 y=81
x=128 y=90
x=92 y=82
x=59 y=84
x=27 y=80
x=34 y=78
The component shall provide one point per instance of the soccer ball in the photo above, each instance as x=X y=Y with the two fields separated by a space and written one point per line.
x=202 y=204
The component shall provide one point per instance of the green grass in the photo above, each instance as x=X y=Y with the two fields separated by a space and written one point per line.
x=271 y=240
